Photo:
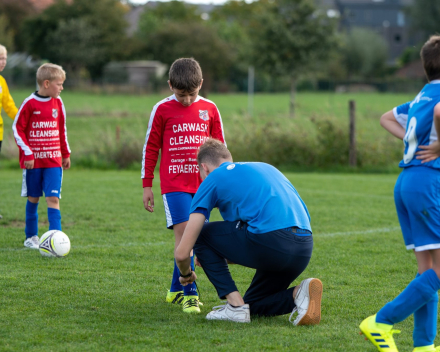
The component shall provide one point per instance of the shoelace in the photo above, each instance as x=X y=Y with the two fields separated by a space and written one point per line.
x=192 y=302
x=178 y=298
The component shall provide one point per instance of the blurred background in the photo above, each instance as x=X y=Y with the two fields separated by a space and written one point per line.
x=263 y=62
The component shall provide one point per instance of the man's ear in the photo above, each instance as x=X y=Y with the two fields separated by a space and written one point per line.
x=205 y=168
x=201 y=83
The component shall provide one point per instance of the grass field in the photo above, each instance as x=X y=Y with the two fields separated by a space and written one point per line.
x=94 y=119
x=108 y=293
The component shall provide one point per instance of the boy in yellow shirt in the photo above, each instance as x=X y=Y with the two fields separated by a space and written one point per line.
x=6 y=100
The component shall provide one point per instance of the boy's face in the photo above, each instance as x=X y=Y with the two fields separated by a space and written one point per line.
x=53 y=88
x=185 y=98
x=3 y=59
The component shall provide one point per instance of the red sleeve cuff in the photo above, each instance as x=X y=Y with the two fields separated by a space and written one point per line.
x=29 y=157
x=65 y=156
x=147 y=182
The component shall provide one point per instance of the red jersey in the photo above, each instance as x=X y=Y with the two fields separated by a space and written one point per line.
x=178 y=131
x=40 y=132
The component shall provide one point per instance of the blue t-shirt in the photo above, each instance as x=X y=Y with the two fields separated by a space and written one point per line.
x=417 y=117
x=256 y=193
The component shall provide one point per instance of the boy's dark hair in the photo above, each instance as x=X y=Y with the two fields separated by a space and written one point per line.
x=212 y=151
x=185 y=74
x=430 y=55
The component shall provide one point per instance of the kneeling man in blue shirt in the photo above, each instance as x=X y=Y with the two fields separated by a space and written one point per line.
x=266 y=227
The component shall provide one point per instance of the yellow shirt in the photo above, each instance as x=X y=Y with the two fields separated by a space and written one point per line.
x=7 y=103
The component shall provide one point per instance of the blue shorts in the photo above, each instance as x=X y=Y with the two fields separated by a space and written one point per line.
x=417 y=198
x=177 y=206
x=37 y=181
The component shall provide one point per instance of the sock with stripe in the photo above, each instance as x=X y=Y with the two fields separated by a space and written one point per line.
x=54 y=217
x=419 y=292
x=425 y=323
x=31 y=228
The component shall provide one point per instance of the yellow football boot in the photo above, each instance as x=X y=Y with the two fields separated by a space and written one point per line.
x=191 y=304
x=429 y=348
x=381 y=335
x=174 y=297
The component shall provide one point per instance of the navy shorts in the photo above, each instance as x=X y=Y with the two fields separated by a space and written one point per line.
x=417 y=198
x=177 y=206
x=37 y=181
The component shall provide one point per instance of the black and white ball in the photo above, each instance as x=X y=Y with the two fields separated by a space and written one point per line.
x=54 y=243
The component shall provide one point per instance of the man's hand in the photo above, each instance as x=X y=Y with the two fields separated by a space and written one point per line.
x=148 y=199
x=66 y=163
x=429 y=152
x=29 y=165
x=188 y=280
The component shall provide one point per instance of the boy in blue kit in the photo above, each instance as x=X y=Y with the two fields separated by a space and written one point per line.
x=416 y=196
x=41 y=135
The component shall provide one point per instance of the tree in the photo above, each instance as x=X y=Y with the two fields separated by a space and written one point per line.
x=364 y=53
x=424 y=16
x=175 y=29
x=104 y=19
x=290 y=37
x=6 y=35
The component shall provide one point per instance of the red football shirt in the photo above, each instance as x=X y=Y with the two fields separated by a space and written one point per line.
x=178 y=131
x=40 y=131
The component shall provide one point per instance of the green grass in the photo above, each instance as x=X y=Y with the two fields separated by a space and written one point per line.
x=93 y=120
x=108 y=293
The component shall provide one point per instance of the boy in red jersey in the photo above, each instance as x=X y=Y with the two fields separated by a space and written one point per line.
x=178 y=126
x=40 y=133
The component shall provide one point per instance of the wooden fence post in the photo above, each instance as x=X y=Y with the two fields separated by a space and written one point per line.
x=352 y=133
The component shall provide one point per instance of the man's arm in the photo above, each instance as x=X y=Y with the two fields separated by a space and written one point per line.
x=389 y=122
x=183 y=250
x=432 y=151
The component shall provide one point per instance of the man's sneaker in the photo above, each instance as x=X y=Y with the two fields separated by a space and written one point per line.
x=174 y=297
x=32 y=242
x=308 y=303
x=191 y=304
x=240 y=314
x=429 y=348
x=381 y=335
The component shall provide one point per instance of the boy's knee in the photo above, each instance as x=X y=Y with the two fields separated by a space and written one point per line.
x=52 y=201
x=33 y=200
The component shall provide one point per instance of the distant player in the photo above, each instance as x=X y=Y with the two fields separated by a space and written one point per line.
x=6 y=100
x=178 y=126
x=417 y=198
x=266 y=227
x=41 y=136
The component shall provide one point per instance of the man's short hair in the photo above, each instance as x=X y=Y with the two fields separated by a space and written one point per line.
x=50 y=72
x=212 y=151
x=3 y=49
x=185 y=74
x=430 y=55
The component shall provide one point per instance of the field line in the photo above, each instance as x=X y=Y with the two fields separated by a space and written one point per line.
x=364 y=232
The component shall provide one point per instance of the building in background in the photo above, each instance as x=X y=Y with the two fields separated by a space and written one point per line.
x=386 y=17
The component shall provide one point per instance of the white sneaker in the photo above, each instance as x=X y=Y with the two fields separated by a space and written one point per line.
x=308 y=303
x=227 y=312
x=32 y=242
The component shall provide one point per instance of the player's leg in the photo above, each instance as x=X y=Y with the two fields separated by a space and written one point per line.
x=177 y=206
x=425 y=318
x=32 y=189
x=52 y=180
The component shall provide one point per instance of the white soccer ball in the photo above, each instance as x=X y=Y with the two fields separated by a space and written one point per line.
x=54 y=243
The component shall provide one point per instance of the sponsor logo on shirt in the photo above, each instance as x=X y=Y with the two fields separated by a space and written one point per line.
x=54 y=113
x=230 y=167
x=203 y=114
x=37 y=112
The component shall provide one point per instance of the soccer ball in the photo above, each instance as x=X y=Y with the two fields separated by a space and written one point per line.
x=54 y=243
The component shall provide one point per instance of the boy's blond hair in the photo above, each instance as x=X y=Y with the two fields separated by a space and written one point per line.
x=50 y=72
x=430 y=55
x=212 y=152
x=3 y=49
x=185 y=74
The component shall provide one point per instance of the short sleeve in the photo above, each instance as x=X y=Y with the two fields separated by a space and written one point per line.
x=206 y=196
x=401 y=113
